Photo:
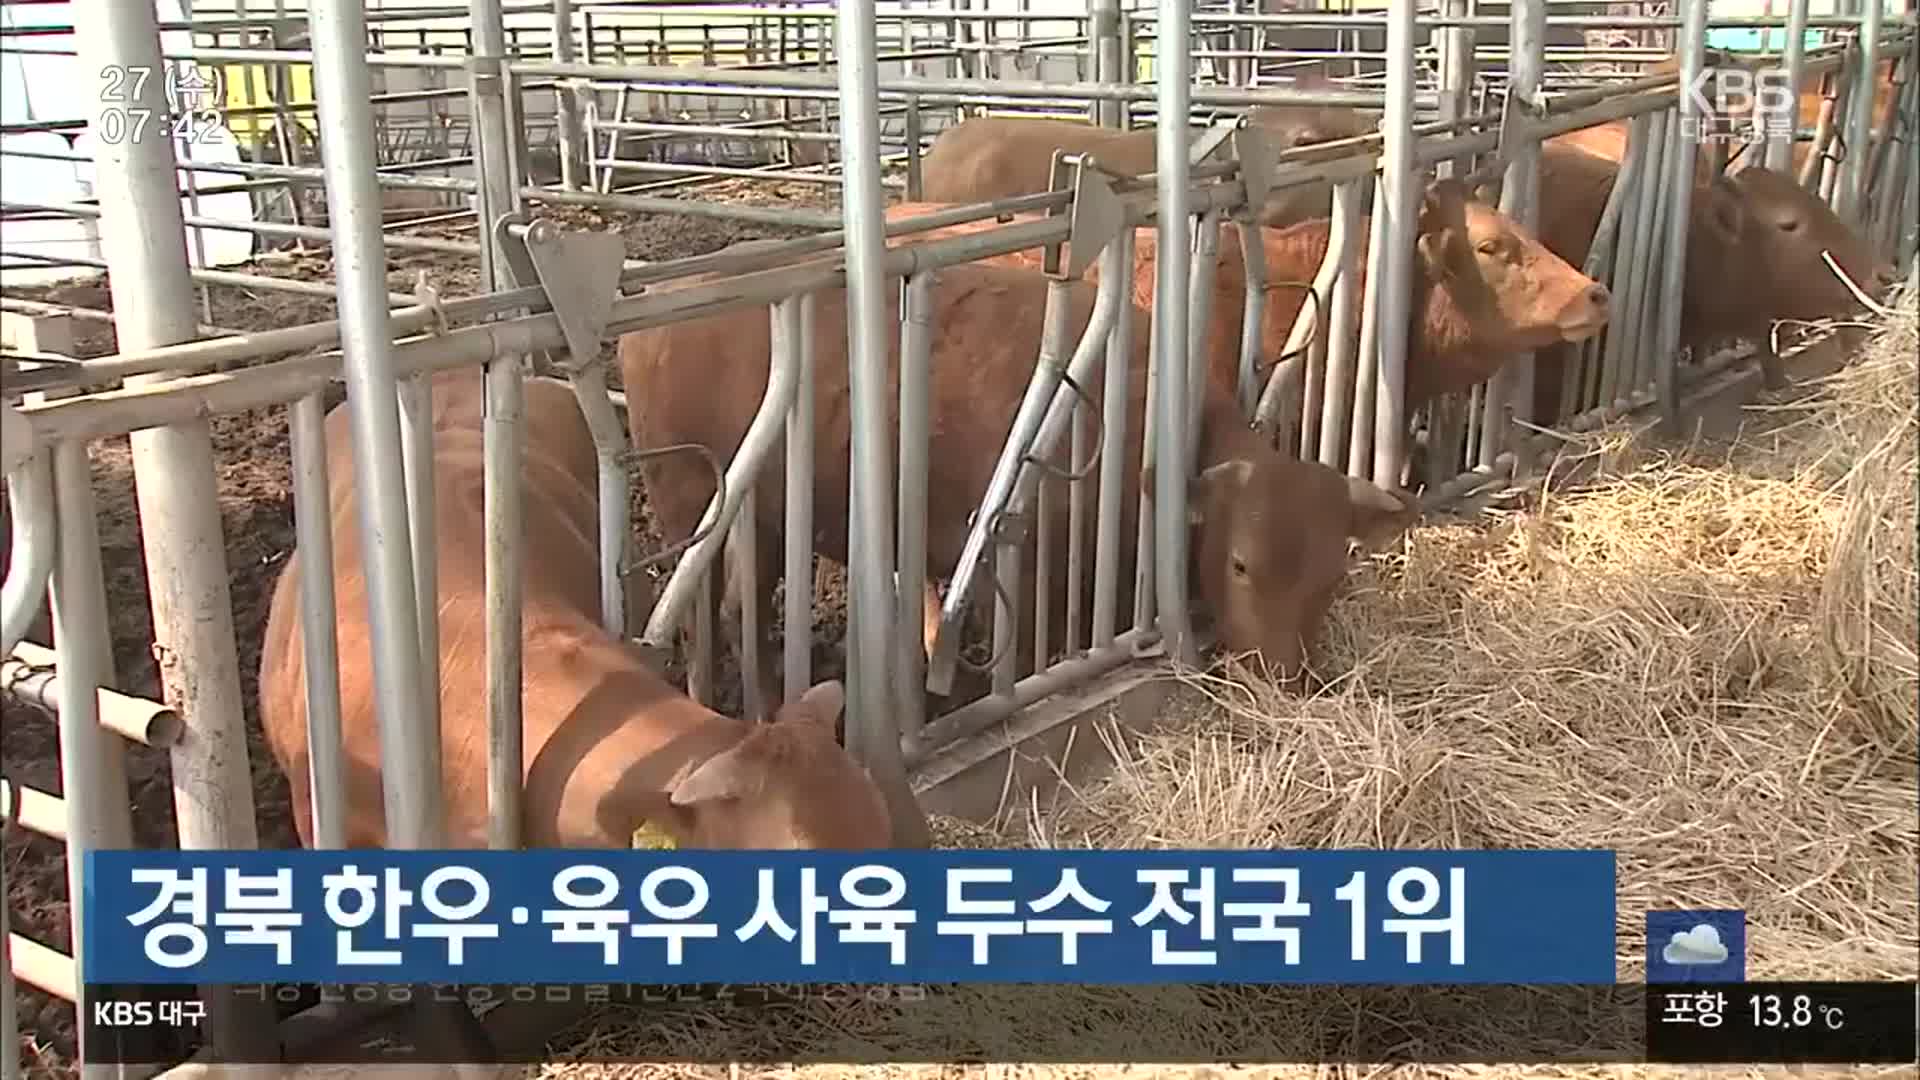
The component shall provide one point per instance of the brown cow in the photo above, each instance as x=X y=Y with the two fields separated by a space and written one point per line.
x=609 y=744
x=1483 y=287
x=997 y=157
x=1609 y=140
x=1753 y=255
x=1286 y=523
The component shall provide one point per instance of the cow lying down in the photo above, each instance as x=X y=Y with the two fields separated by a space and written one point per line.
x=609 y=745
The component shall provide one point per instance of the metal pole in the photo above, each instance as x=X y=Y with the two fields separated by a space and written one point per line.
x=916 y=353
x=1113 y=411
x=873 y=738
x=1520 y=200
x=326 y=756
x=1456 y=76
x=1853 y=169
x=1693 y=44
x=1780 y=143
x=92 y=769
x=141 y=234
x=1397 y=205
x=1108 y=59
x=501 y=439
x=567 y=101
x=1173 y=75
x=1337 y=392
x=793 y=345
x=409 y=751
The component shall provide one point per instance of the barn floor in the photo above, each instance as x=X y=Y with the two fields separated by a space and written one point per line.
x=255 y=491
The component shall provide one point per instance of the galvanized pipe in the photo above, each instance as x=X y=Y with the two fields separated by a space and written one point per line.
x=1511 y=387
x=1853 y=168
x=1103 y=26
x=1604 y=263
x=1648 y=247
x=92 y=768
x=1779 y=149
x=502 y=438
x=1253 y=258
x=1113 y=433
x=31 y=515
x=916 y=357
x=1652 y=311
x=31 y=675
x=691 y=571
x=1337 y=404
x=566 y=101
x=1200 y=277
x=743 y=564
x=1173 y=76
x=873 y=737
x=1366 y=372
x=1456 y=77
x=313 y=539
x=792 y=346
x=409 y=751
x=1398 y=204
x=1678 y=203
x=610 y=446
x=142 y=239
x=416 y=460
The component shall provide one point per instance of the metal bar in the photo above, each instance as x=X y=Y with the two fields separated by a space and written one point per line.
x=153 y=303
x=31 y=675
x=1367 y=366
x=92 y=769
x=409 y=752
x=502 y=438
x=1510 y=390
x=313 y=528
x=1106 y=569
x=566 y=100
x=1201 y=272
x=1679 y=200
x=1338 y=400
x=1174 y=96
x=1853 y=174
x=916 y=354
x=1108 y=63
x=415 y=395
x=793 y=347
x=875 y=741
x=1779 y=155
x=30 y=561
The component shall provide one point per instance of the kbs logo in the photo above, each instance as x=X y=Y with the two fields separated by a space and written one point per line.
x=1760 y=102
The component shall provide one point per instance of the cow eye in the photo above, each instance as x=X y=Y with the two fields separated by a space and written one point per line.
x=1488 y=247
x=1790 y=225
x=1239 y=567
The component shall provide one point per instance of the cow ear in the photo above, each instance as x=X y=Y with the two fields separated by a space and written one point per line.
x=738 y=772
x=1376 y=515
x=1725 y=212
x=1444 y=205
x=1214 y=484
x=821 y=704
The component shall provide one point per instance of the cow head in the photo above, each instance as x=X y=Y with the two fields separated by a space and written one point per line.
x=784 y=785
x=1270 y=544
x=1778 y=230
x=1511 y=292
x=1305 y=125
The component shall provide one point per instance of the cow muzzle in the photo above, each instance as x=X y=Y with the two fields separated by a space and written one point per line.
x=1586 y=314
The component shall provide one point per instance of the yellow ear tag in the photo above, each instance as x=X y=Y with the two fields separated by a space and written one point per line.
x=650 y=837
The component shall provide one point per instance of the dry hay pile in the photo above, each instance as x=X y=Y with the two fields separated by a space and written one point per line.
x=1707 y=666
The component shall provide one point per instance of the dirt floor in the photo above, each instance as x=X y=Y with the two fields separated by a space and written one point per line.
x=255 y=491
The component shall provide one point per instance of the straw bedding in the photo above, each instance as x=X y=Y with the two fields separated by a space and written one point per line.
x=1703 y=659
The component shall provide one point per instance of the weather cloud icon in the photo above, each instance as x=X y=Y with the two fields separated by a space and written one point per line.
x=1700 y=945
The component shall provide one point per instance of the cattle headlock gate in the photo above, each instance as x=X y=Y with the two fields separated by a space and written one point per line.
x=842 y=96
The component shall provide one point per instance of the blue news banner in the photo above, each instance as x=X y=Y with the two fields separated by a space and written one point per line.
x=882 y=917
